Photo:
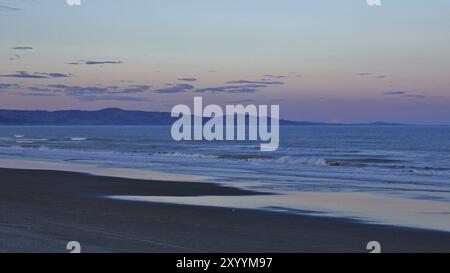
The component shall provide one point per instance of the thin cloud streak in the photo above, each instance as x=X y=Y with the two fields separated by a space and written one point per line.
x=35 y=75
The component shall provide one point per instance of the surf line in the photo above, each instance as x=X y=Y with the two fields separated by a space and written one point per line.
x=208 y=123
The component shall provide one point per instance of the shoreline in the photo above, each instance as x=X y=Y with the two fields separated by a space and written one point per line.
x=364 y=207
x=43 y=210
x=368 y=208
x=91 y=169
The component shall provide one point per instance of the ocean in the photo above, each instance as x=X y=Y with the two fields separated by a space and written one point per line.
x=411 y=162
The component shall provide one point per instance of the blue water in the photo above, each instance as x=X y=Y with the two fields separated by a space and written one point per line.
x=412 y=162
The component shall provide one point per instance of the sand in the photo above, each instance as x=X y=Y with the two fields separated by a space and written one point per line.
x=41 y=211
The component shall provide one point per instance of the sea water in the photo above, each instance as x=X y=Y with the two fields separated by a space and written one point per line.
x=403 y=161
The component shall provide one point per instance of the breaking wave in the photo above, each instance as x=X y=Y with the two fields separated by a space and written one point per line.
x=78 y=138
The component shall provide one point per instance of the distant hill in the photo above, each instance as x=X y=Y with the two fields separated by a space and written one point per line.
x=111 y=116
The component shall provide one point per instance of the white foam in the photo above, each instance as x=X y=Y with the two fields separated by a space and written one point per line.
x=78 y=138
x=304 y=161
x=184 y=155
x=30 y=141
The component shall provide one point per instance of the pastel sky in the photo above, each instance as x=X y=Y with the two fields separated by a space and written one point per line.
x=321 y=60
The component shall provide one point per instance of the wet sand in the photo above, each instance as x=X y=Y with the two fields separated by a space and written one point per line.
x=40 y=211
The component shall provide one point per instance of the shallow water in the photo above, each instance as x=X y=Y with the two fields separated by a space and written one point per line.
x=364 y=207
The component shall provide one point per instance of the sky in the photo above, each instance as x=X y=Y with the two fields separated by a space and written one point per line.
x=320 y=60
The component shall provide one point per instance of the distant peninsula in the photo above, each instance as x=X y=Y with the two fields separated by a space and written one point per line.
x=116 y=116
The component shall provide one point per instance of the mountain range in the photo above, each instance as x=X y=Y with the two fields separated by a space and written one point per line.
x=113 y=116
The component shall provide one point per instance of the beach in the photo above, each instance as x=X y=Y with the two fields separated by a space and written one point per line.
x=224 y=127
x=41 y=211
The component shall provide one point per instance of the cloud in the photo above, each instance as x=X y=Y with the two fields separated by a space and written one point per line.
x=99 y=93
x=178 y=88
x=251 y=88
x=36 y=75
x=32 y=94
x=395 y=93
x=56 y=75
x=188 y=79
x=95 y=93
x=8 y=8
x=256 y=82
x=275 y=76
x=6 y=86
x=405 y=94
x=367 y=74
x=278 y=77
x=133 y=89
x=95 y=62
x=79 y=90
x=241 y=101
x=98 y=90
x=22 y=48
x=110 y=97
x=240 y=86
x=40 y=89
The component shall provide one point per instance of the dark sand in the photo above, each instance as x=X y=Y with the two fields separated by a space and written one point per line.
x=40 y=211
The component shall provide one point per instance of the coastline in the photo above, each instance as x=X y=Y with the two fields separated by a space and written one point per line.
x=43 y=210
